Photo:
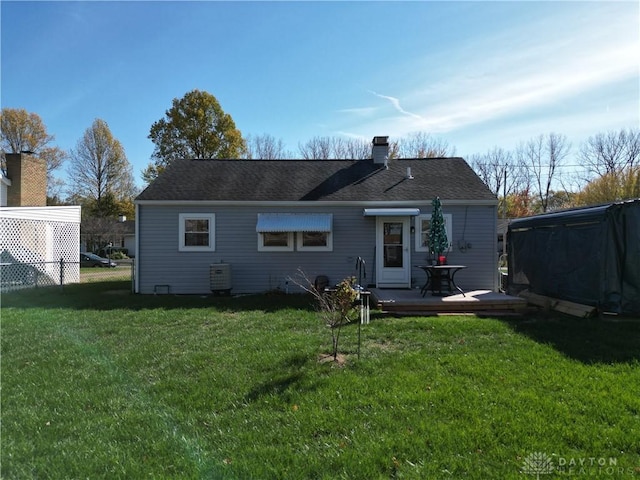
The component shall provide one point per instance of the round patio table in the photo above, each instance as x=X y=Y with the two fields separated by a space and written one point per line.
x=439 y=274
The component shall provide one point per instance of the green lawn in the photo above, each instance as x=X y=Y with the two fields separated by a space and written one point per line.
x=99 y=383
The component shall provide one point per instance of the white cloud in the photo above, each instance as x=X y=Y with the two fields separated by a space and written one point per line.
x=396 y=104
x=514 y=73
x=463 y=101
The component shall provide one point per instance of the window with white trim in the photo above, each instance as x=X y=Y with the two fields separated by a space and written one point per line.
x=422 y=231
x=275 y=241
x=315 y=241
x=197 y=232
x=311 y=232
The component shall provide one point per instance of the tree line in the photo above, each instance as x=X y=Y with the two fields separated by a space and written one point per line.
x=100 y=175
x=527 y=180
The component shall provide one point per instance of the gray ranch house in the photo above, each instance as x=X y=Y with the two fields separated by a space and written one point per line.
x=264 y=221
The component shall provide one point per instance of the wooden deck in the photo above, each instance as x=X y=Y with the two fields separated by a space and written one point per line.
x=410 y=301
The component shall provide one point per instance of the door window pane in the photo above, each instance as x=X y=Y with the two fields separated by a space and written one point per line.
x=393 y=251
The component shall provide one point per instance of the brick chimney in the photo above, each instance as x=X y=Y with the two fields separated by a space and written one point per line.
x=380 y=150
x=28 y=175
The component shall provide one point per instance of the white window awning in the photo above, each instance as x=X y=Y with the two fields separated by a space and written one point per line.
x=391 y=212
x=294 y=222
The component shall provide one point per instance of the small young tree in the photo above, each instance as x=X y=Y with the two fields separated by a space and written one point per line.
x=336 y=307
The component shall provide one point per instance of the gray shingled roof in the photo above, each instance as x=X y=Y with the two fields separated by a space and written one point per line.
x=312 y=180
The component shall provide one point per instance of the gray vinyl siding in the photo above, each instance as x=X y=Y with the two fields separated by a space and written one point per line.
x=475 y=226
x=161 y=263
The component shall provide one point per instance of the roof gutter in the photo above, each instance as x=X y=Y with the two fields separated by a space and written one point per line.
x=320 y=203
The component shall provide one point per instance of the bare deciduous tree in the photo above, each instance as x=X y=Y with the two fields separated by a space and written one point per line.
x=265 y=147
x=611 y=152
x=502 y=173
x=424 y=145
x=492 y=167
x=357 y=149
x=318 y=148
x=542 y=156
x=324 y=148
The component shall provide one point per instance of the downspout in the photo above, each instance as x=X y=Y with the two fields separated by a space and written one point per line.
x=136 y=261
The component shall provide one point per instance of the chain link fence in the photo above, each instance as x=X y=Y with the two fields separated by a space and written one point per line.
x=20 y=275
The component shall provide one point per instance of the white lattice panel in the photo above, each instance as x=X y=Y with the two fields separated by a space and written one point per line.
x=31 y=250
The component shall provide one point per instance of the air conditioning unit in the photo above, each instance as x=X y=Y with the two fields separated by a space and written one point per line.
x=220 y=278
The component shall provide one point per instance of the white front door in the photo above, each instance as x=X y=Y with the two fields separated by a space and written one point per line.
x=393 y=255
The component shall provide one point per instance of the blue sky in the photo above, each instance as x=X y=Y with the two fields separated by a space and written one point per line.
x=476 y=74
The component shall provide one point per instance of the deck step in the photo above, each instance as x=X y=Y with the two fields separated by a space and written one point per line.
x=477 y=301
x=451 y=308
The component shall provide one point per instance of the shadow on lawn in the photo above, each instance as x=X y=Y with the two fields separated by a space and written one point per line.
x=112 y=295
x=586 y=340
x=288 y=376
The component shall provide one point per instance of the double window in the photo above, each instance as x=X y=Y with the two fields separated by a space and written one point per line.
x=423 y=222
x=197 y=232
x=281 y=231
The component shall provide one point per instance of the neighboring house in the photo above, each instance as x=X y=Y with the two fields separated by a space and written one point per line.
x=270 y=219
x=27 y=185
x=129 y=237
x=39 y=237
x=102 y=232
x=34 y=237
x=503 y=226
x=5 y=184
